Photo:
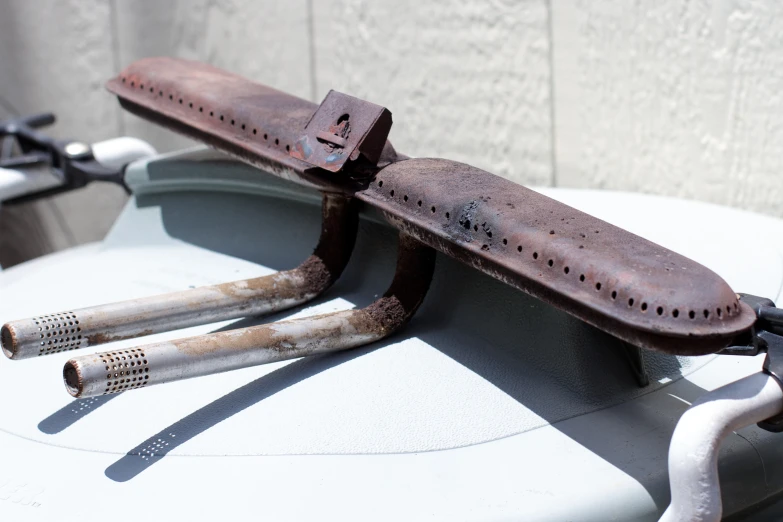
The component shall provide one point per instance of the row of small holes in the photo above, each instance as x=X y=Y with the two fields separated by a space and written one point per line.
x=566 y=270
x=126 y=369
x=52 y=326
x=419 y=203
x=201 y=109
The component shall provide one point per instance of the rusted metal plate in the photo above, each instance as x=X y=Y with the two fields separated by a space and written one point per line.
x=343 y=128
x=623 y=284
x=255 y=123
x=615 y=280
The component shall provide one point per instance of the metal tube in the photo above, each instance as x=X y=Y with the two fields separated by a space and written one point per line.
x=122 y=370
x=693 y=454
x=48 y=334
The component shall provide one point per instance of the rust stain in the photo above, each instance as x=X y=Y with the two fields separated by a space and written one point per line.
x=103 y=338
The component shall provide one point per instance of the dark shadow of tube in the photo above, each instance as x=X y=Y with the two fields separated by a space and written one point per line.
x=159 y=445
x=72 y=412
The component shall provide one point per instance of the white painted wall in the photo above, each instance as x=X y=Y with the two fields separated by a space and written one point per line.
x=674 y=97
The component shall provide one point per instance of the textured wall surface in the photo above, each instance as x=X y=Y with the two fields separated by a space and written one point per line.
x=675 y=97
x=266 y=41
x=469 y=81
x=55 y=56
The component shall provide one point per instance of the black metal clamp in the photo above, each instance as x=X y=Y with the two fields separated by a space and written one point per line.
x=72 y=161
x=765 y=336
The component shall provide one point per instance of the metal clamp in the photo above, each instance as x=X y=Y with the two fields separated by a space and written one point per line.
x=766 y=335
x=72 y=161
x=343 y=128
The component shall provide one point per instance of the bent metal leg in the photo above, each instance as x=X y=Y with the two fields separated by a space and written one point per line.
x=48 y=334
x=112 y=372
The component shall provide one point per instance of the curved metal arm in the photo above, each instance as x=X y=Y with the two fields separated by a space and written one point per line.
x=112 y=372
x=77 y=329
x=693 y=454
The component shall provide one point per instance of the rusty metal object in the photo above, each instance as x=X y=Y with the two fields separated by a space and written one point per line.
x=606 y=276
x=257 y=124
x=71 y=330
x=628 y=286
x=343 y=128
x=122 y=370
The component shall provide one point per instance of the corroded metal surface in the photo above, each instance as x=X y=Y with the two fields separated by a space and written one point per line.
x=617 y=281
x=343 y=128
x=96 y=325
x=608 y=277
x=122 y=370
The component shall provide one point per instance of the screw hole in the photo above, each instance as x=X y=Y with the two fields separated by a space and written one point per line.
x=551 y=263
x=221 y=117
x=243 y=126
x=432 y=209
x=718 y=311
x=419 y=203
x=659 y=310
x=706 y=314
x=675 y=313
x=277 y=141
x=644 y=307
x=566 y=270
x=692 y=314
x=598 y=286
x=392 y=193
x=287 y=148
x=380 y=183
x=405 y=198
x=614 y=294
x=232 y=122
x=535 y=255
x=582 y=278
x=519 y=248
x=255 y=131
x=630 y=302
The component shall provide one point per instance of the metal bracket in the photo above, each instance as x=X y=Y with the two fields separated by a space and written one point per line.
x=635 y=359
x=343 y=128
x=72 y=161
x=766 y=335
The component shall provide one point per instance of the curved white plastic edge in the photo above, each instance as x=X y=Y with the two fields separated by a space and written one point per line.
x=693 y=453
